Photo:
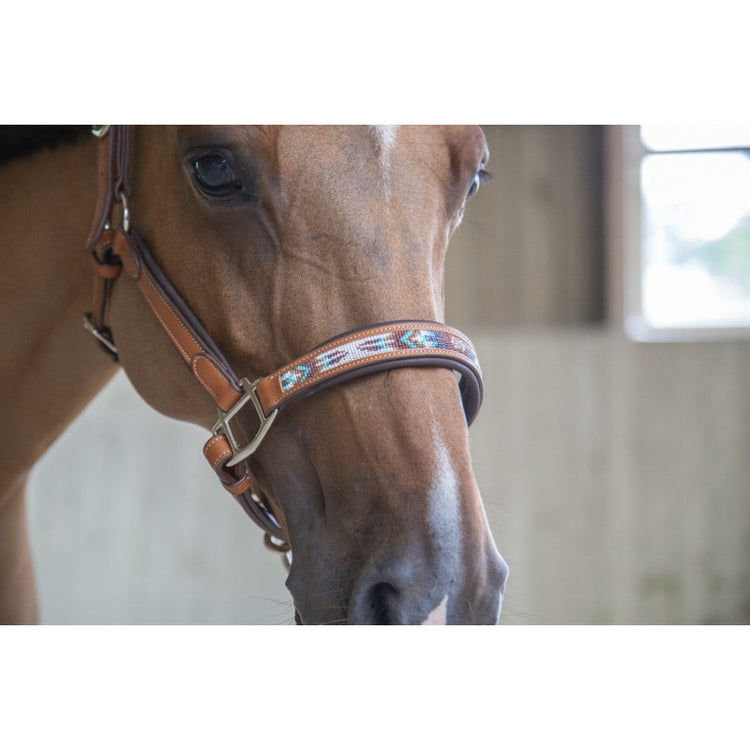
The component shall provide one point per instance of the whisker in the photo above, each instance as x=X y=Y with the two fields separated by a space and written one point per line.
x=285 y=608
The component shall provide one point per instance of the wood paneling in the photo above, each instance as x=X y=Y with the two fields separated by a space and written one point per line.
x=530 y=250
x=616 y=477
x=114 y=543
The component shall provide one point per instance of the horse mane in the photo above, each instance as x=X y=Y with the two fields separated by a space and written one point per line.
x=18 y=141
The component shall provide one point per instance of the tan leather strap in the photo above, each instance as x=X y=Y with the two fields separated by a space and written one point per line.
x=111 y=250
x=359 y=353
x=239 y=482
x=386 y=346
x=199 y=353
x=196 y=348
x=368 y=350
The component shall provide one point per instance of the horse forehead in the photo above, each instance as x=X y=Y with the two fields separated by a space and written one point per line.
x=372 y=170
x=360 y=146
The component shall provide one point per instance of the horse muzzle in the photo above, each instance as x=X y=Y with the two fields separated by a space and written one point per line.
x=404 y=594
x=412 y=587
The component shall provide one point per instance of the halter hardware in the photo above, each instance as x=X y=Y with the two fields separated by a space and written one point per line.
x=103 y=335
x=122 y=199
x=223 y=426
x=377 y=348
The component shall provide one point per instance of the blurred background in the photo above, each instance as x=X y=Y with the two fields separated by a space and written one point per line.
x=604 y=276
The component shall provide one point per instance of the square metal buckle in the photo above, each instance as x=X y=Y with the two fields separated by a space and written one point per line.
x=224 y=427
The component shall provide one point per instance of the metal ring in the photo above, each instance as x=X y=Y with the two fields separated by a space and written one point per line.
x=125 y=212
x=100 y=130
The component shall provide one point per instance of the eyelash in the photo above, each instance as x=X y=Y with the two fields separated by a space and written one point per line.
x=480 y=177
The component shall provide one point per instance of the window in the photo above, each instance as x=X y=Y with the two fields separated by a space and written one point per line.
x=687 y=233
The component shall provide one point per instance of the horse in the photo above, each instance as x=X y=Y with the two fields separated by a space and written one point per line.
x=221 y=258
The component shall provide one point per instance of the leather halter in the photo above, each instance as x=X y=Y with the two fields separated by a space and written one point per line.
x=362 y=352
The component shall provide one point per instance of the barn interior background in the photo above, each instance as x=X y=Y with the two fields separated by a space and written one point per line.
x=615 y=474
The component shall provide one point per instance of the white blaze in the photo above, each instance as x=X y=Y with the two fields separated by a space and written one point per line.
x=444 y=517
x=439 y=615
x=386 y=135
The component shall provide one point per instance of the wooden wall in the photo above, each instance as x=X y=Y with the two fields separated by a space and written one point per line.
x=529 y=251
x=616 y=476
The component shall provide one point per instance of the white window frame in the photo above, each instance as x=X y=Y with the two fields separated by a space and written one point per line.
x=625 y=152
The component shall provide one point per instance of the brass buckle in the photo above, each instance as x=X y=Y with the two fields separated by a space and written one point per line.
x=224 y=427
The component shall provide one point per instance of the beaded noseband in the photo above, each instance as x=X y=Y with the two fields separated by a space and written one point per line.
x=385 y=346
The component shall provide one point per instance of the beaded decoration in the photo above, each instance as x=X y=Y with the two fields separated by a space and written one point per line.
x=350 y=354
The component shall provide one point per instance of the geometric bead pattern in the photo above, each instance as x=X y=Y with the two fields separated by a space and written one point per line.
x=366 y=348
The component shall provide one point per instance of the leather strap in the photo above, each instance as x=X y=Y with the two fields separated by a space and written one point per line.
x=106 y=269
x=111 y=178
x=363 y=352
x=359 y=353
x=197 y=349
x=369 y=350
x=113 y=187
x=355 y=354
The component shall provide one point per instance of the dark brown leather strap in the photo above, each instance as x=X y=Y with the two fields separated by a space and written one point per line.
x=113 y=184
x=104 y=187
x=112 y=188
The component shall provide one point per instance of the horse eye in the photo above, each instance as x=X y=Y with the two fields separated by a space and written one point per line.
x=214 y=176
x=480 y=177
x=474 y=186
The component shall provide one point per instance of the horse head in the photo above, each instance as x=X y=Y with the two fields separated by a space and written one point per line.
x=278 y=239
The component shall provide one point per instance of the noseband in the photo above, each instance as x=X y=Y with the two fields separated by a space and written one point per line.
x=385 y=346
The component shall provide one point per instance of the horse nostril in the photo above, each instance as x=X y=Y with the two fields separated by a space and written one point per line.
x=382 y=600
x=375 y=605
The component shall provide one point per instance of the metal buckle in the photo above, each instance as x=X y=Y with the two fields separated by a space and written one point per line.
x=223 y=423
x=104 y=336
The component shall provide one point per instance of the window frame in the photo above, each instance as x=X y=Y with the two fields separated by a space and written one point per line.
x=626 y=151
